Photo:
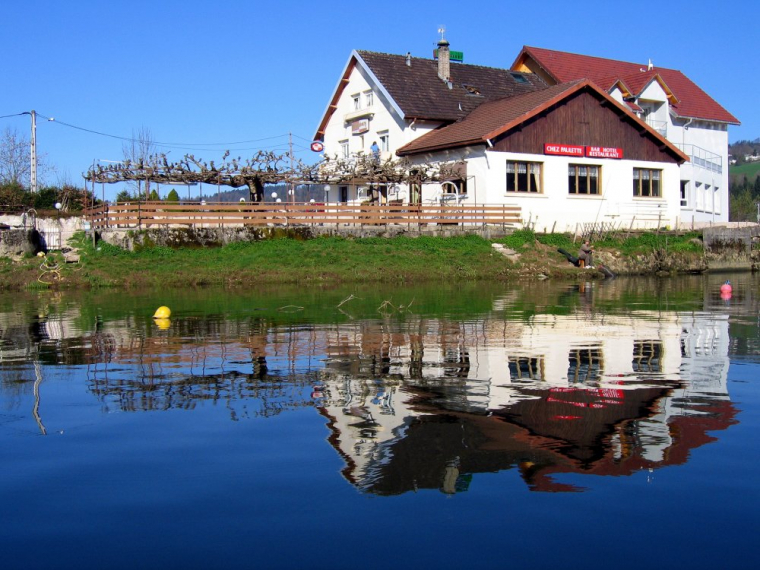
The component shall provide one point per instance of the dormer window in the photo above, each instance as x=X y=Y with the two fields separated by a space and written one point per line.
x=519 y=77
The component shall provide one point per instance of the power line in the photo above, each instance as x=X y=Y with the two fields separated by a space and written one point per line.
x=303 y=139
x=190 y=146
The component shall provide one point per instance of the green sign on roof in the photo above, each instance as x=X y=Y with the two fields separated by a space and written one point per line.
x=457 y=56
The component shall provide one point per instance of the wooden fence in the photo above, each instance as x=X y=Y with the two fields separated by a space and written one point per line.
x=160 y=214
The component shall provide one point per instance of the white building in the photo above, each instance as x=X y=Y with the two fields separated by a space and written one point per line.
x=672 y=104
x=566 y=149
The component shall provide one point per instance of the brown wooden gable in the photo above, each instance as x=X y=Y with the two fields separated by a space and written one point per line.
x=586 y=118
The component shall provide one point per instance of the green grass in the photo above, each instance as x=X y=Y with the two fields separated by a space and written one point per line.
x=522 y=240
x=647 y=242
x=326 y=260
x=748 y=169
x=292 y=261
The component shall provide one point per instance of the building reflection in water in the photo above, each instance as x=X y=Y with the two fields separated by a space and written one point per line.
x=430 y=404
x=420 y=402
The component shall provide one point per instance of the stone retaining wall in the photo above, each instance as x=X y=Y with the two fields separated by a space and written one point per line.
x=215 y=237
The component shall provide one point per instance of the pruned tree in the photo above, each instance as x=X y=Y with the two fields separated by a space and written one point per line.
x=267 y=167
x=367 y=168
x=263 y=168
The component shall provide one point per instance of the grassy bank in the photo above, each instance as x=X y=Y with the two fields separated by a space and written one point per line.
x=322 y=260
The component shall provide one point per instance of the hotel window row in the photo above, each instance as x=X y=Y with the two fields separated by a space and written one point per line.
x=581 y=179
x=369 y=100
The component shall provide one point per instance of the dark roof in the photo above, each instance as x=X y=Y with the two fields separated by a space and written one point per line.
x=421 y=94
x=691 y=100
x=494 y=118
x=488 y=117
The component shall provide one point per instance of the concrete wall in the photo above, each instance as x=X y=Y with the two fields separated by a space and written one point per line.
x=52 y=233
x=16 y=243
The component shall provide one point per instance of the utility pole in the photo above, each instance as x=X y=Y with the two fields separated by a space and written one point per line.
x=33 y=176
x=291 y=187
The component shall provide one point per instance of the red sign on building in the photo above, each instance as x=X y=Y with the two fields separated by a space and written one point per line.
x=603 y=152
x=580 y=150
x=564 y=149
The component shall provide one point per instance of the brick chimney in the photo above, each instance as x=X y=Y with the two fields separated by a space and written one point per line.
x=444 y=62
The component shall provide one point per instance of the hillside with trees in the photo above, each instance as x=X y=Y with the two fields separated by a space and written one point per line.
x=744 y=180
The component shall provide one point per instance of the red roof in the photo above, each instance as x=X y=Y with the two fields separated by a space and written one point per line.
x=691 y=102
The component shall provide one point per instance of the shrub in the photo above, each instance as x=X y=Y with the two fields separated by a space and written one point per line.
x=46 y=198
x=556 y=240
x=519 y=238
x=13 y=195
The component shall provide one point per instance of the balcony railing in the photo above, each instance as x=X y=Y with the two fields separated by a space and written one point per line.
x=702 y=157
x=659 y=126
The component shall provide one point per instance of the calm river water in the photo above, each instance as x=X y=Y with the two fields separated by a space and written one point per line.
x=596 y=425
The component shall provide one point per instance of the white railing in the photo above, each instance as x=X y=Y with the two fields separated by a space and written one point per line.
x=702 y=157
x=659 y=126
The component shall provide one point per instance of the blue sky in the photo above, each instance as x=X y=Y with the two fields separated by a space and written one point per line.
x=201 y=75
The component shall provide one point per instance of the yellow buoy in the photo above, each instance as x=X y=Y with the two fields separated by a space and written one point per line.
x=162 y=312
x=163 y=324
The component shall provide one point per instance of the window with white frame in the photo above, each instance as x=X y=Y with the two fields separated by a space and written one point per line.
x=344 y=149
x=524 y=176
x=369 y=99
x=716 y=199
x=684 y=193
x=357 y=102
x=385 y=141
x=583 y=179
x=647 y=183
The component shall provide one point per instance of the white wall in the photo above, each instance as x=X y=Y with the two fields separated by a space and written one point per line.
x=707 y=189
x=383 y=118
x=487 y=171
x=703 y=206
